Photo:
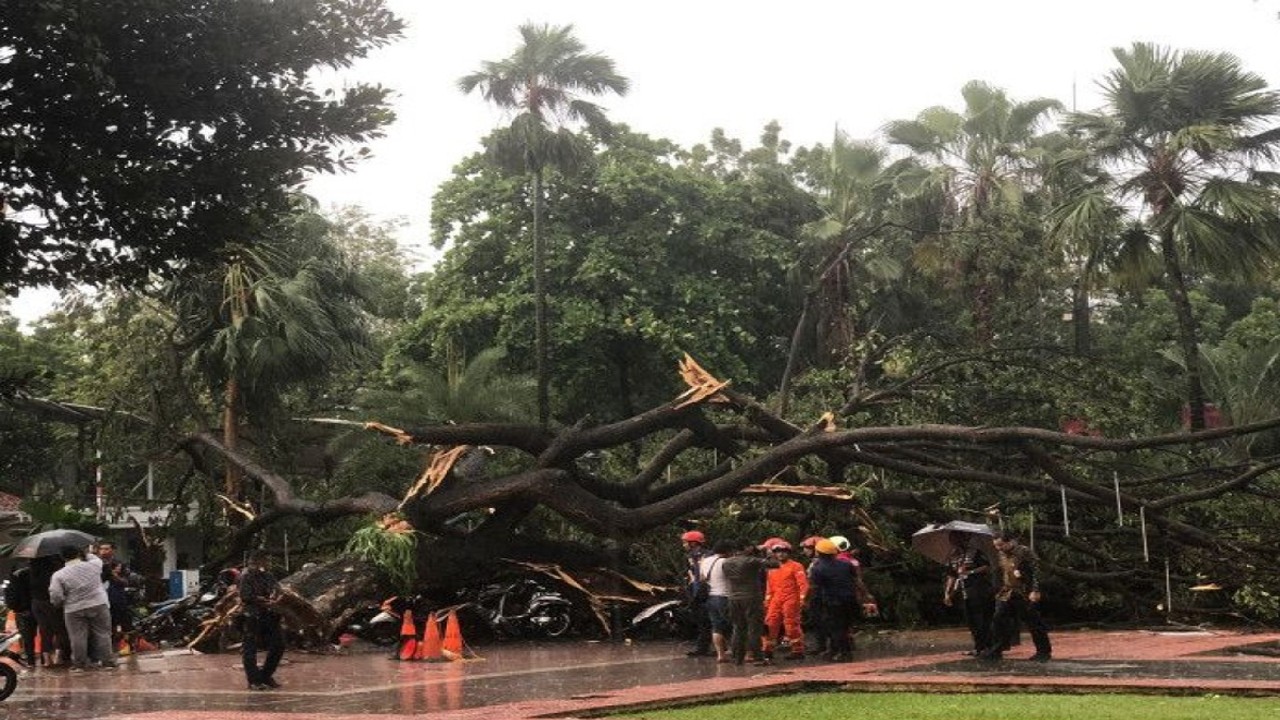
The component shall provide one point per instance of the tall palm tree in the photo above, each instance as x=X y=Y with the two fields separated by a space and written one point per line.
x=1182 y=133
x=544 y=82
x=977 y=161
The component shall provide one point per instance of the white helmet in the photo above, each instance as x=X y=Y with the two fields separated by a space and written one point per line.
x=842 y=542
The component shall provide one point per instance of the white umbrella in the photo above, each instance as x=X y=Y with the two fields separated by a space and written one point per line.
x=934 y=541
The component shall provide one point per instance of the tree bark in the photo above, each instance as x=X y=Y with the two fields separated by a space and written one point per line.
x=540 y=304
x=1188 y=332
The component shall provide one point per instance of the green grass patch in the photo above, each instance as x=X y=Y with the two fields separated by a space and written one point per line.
x=994 y=706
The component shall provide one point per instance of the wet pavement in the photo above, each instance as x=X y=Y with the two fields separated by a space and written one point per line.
x=570 y=679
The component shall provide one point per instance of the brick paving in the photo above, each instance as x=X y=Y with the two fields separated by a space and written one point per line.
x=590 y=679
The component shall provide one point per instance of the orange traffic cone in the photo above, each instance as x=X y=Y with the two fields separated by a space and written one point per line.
x=453 y=637
x=408 y=636
x=11 y=626
x=431 y=649
x=123 y=648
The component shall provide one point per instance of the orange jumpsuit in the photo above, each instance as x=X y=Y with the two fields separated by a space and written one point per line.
x=785 y=593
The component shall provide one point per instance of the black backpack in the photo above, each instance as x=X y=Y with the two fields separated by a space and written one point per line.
x=17 y=594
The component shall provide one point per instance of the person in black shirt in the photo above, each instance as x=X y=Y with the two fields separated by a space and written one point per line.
x=969 y=578
x=17 y=596
x=118 y=578
x=259 y=593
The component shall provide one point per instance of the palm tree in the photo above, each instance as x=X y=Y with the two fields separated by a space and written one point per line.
x=977 y=162
x=1182 y=133
x=841 y=253
x=277 y=313
x=543 y=82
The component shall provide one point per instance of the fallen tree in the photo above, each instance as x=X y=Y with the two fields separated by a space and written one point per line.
x=713 y=444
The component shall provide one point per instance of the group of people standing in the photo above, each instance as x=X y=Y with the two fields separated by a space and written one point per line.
x=748 y=597
x=996 y=599
x=76 y=603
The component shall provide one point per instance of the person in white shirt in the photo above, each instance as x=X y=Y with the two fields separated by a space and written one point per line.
x=77 y=588
x=717 y=606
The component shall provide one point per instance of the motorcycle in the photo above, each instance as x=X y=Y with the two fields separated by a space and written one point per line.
x=380 y=624
x=11 y=664
x=667 y=619
x=177 y=621
x=524 y=608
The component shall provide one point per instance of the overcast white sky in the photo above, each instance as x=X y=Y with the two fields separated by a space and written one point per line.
x=695 y=65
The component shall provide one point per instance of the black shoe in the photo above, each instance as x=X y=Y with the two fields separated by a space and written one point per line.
x=699 y=653
x=991 y=655
x=259 y=686
x=1040 y=657
x=271 y=683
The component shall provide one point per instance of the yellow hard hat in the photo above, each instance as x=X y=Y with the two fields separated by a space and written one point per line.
x=826 y=547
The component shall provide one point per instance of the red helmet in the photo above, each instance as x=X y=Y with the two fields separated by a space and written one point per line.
x=694 y=536
x=811 y=541
x=768 y=544
x=780 y=545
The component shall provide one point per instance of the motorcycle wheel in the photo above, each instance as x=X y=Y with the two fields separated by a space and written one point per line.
x=558 y=623
x=8 y=681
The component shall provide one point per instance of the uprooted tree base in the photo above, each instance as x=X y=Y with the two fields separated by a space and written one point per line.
x=712 y=444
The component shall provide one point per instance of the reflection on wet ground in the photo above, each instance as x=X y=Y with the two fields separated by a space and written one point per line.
x=579 y=675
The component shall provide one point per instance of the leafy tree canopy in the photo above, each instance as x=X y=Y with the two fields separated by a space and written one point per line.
x=136 y=133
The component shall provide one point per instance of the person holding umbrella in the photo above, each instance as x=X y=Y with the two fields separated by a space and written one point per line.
x=969 y=577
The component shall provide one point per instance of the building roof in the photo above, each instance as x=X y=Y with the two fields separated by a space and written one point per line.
x=9 y=503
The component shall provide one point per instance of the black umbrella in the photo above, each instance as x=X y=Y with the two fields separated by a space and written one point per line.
x=50 y=542
x=934 y=541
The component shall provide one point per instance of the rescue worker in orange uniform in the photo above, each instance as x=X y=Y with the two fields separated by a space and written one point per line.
x=786 y=589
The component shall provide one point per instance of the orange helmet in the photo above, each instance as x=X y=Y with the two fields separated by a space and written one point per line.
x=694 y=536
x=811 y=541
x=826 y=547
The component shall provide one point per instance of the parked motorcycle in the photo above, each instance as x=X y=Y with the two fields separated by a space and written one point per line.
x=669 y=619
x=11 y=664
x=524 y=608
x=380 y=624
x=177 y=621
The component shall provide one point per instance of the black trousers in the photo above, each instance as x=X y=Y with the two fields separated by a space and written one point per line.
x=262 y=631
x=837 y=617
x=747 y=618
x=28 y=627
x=979 y=613
x=1014 y=611
x=700 y=614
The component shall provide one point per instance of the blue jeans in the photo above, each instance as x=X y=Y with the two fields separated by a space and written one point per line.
x=718 y=612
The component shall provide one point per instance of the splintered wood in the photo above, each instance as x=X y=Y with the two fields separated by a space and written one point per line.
x=402 y=437
x=703 y=386
x=437 y=470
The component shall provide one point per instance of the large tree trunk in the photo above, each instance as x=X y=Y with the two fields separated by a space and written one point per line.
x=1188 y=333
x=793 y=356
x=231 y=438
x=1080 y=318
x=540 y=303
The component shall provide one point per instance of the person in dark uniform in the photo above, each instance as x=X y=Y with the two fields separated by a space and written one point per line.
x=695 y=548
x=259 y=593
x=55 y=644
x=969 y=579
x=17 y=597
x=1017 y=600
